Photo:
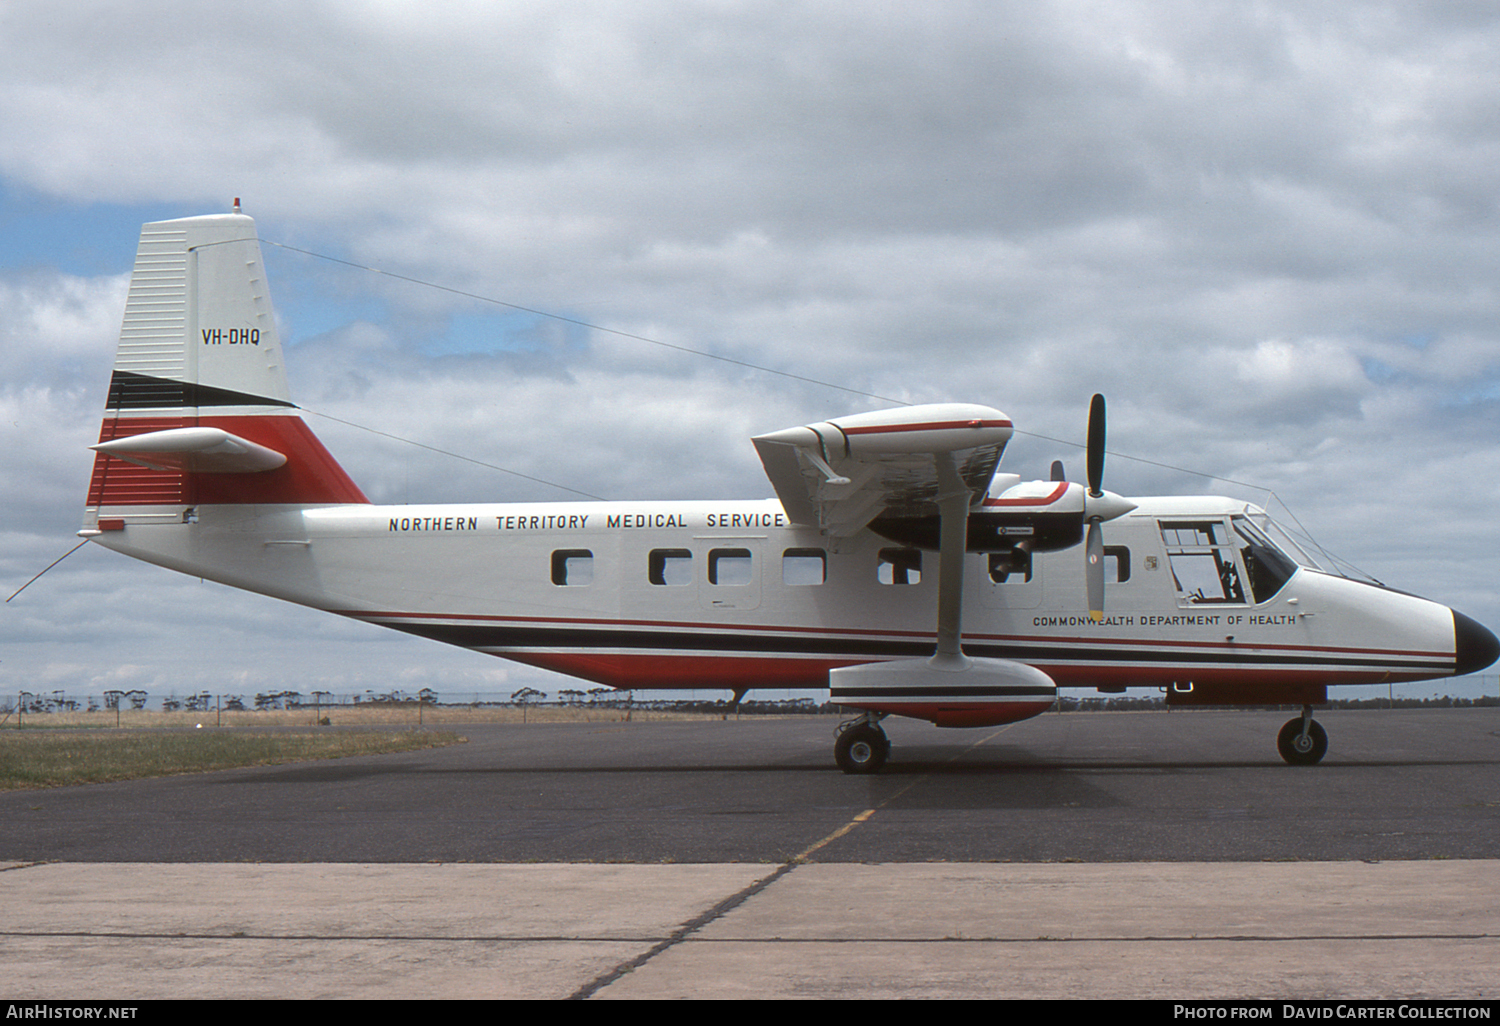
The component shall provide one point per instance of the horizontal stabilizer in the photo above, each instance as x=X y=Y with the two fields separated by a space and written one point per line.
x=202 y=450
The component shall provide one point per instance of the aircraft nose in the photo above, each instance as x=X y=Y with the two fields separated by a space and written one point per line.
x=1474 y=647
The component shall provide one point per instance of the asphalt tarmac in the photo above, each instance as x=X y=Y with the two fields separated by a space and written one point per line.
x=732 y=859
x=1098 y=787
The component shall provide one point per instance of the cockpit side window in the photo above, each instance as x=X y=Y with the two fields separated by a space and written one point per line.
x=1203 y=563
x=1267 y=566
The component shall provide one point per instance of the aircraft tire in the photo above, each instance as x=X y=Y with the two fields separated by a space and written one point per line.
x=861 y=749
x=1300 y=751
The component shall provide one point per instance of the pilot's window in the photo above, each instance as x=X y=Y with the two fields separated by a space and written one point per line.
x=1267 y=566
x=572 y=567
x=900 y=566
x=673 y=567
x=804 y=566
x=1013 y=567
x=1119 y=555
x=729 y=566
x=1203 y=562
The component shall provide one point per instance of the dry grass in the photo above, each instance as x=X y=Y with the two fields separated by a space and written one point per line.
x=56 y=749
x=53 y=758
x=366 y=714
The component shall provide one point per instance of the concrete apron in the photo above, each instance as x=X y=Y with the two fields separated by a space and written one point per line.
x=1180 y=931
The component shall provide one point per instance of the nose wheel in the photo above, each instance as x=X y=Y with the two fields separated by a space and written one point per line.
x=862 y=747
x=1302 y=740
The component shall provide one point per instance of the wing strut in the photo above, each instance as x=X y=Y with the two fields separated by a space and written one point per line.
x=953 y=508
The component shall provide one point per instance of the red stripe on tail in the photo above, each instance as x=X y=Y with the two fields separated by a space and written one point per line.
x=311 y=474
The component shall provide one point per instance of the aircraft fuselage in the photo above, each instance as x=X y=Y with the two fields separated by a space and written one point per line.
x=895 y=567
x=730 y=594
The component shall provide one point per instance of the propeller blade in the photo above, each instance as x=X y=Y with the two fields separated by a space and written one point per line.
x=1094 y=543
x=1094 y=570
x=1096 y=445
x=1058 y=473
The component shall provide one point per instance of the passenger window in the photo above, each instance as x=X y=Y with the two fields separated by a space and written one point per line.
x=900 y=566
x=801 y=567
x=671 y=567
x=573 y=567
x=730 y=567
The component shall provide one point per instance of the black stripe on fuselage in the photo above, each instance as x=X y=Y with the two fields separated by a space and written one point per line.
x=497 y=636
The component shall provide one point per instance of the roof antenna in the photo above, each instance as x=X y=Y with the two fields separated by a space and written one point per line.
x=236 y=204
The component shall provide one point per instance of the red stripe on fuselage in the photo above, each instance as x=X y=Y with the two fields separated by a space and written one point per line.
x=632 y=671
x=1125 y=645
x=661 y=671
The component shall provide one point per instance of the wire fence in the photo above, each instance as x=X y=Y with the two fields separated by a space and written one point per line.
x=1481 y=690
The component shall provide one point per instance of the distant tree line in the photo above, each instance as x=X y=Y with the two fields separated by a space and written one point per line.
x=1118 y=703
x=608 y=698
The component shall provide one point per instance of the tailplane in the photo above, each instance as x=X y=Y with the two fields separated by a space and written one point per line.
x=198 y=411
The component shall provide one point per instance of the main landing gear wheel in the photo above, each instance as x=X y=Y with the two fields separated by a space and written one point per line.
x=1299 y=747
x=861 y=749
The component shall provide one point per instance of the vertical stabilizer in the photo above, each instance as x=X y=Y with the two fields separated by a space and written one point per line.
x=199 y=349
x=198 y=316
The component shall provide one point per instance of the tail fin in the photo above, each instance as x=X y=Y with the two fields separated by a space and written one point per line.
x=199 y=411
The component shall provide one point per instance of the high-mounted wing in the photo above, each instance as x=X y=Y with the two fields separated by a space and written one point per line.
x=840 y=474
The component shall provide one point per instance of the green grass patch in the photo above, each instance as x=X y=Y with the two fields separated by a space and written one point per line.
x=55 y=758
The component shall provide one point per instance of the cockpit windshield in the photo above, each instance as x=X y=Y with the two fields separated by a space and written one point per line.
x=1268 y=565
x=1278 y=538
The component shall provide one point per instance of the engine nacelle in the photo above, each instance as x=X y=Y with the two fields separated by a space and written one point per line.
x=1035 y=516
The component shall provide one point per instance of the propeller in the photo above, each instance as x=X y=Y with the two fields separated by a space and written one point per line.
x=1098 y=506
x=1094 y=542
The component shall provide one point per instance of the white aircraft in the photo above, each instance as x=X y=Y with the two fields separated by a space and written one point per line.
x=896 y=568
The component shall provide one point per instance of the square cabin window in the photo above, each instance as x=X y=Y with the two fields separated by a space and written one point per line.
x=1012 y=567
x=802 y=567
x=900 y=566
x=670 y=567
x=730 y=567
x=572 y=568
x=1117 y=556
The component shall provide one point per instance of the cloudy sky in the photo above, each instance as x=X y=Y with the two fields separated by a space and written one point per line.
x=1267 y=231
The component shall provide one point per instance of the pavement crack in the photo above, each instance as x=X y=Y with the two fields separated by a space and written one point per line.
x=21 y=865
x=684 y=931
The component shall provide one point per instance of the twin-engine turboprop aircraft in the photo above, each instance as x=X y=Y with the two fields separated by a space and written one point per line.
x=896 y=568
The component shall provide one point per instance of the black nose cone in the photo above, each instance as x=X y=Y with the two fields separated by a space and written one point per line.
x=1474 y=647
